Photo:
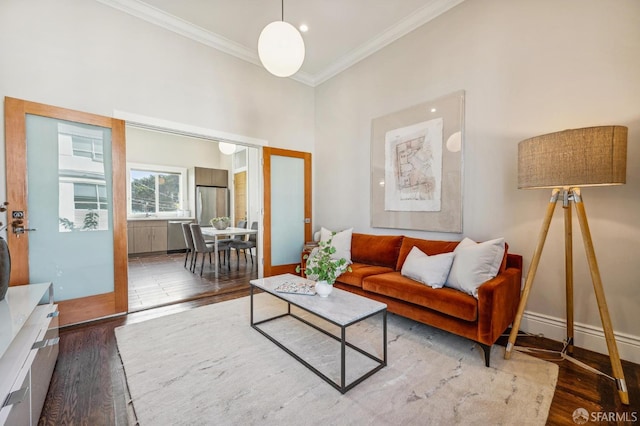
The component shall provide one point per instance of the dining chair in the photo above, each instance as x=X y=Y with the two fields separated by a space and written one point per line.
x=241 y=244
x=238 y=238
x=201 y=246
x=188 y=239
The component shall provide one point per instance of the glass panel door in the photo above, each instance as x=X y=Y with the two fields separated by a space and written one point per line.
x=69 y=203
x=66 y=189
x=287 y=209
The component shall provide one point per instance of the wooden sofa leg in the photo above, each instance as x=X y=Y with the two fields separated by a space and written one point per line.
x=487 y=353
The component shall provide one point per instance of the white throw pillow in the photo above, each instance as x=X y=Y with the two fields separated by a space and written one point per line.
x=429 y=270
x=341 y=241
x=475 y=264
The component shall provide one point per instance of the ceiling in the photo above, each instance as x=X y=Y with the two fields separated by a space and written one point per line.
x=341 y=32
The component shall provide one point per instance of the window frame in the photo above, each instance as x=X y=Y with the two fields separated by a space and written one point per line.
x=182 y=171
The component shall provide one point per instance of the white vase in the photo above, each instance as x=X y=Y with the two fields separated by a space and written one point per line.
x=323 y=288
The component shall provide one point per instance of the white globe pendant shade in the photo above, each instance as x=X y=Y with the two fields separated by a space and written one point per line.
x=226 y=148
x=281 y=49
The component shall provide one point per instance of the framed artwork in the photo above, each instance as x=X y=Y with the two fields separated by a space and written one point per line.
x=416 y=166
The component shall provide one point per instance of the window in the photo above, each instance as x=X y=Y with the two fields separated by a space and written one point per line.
x=87 y=147
x=156 y=190
x=88 y=196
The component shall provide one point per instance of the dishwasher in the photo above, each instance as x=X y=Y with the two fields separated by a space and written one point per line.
x=175 y=237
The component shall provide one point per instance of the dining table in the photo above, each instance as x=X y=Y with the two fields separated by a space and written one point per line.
x=227 y=232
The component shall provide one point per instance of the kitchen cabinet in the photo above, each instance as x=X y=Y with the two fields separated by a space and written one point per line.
x=146 y=236
x=28 y=352
x=211 y=177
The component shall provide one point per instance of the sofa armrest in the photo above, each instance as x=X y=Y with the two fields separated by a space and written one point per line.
x=498 y=301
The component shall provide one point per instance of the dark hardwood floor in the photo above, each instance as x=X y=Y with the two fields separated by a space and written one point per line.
x=88 y=385
x=161 y=279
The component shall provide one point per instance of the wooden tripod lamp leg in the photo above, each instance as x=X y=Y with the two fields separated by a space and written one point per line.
x=616 y=366
x=532 y=272
x=568 y=269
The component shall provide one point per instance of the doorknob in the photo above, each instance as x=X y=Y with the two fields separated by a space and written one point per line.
x=18 y=229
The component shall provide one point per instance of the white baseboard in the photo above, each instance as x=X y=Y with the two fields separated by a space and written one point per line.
x=585 y=336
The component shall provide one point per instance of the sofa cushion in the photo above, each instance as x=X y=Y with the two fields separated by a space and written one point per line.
x=430 y=270
x=445 y=300
x=379 y=250
x=429 y=247
x=359 y=271
x=475 y=263
x=340 y=240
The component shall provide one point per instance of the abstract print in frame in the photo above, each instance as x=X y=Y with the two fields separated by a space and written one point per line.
x=416 y=167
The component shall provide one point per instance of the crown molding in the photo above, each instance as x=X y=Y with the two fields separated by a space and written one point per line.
x=155 y=16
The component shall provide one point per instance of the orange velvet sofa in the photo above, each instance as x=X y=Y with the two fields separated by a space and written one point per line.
x=375 y=273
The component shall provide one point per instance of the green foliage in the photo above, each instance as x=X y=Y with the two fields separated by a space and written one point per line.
x=67 y=224
x=320 y=265
x=220 y=219
x=91 y=220
x=143 y=193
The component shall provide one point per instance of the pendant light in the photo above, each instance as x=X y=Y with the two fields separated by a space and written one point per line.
x=281 y=48
x=226 y=148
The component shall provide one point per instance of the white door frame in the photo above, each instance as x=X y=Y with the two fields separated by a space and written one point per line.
x=168 y=126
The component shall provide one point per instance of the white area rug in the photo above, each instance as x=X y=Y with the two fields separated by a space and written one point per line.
x=208 y=366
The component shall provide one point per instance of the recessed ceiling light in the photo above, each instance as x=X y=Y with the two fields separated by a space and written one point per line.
x=303 y=28
x=433 y=110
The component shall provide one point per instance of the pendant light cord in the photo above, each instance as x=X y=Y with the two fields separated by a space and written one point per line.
x=282 y=8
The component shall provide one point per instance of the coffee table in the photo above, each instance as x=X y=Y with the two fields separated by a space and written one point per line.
x=341 y=308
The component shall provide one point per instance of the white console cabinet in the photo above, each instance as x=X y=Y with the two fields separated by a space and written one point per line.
x=28 y=352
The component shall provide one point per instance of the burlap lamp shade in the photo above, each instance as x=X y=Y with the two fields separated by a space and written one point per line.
x=572 y=158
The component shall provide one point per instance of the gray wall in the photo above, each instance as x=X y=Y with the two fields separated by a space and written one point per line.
x=528 y=67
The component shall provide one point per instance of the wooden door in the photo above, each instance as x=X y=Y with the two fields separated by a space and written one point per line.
x=287 y=208
x=21 y=145
x=239 y=197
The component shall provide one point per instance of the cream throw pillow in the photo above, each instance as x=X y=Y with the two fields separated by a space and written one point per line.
x=474 y=264
x=429 y=270
x=341 y=241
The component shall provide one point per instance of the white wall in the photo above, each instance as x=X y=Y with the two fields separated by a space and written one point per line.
x=83 y=55
x=166 y=149
x=528 y=67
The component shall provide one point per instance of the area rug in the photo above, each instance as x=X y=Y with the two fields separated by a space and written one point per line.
x=208 y=366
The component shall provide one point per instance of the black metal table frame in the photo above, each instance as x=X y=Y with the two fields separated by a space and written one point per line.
x=343 y=388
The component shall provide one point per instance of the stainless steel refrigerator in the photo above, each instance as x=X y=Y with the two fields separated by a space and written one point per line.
x=211 y=201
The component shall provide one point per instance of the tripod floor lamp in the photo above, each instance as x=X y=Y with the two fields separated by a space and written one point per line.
x=566 y=161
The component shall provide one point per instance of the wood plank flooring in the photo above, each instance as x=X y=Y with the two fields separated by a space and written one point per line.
x=161 y=279
x=88 y=384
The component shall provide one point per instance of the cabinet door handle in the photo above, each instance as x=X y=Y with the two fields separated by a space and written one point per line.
x=16 y=397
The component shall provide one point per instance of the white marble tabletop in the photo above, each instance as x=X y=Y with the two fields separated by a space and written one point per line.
x=215 y=233
x=340 y=307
